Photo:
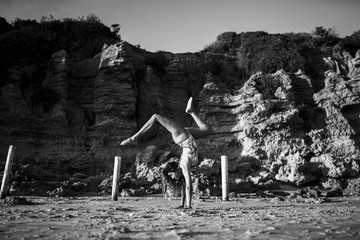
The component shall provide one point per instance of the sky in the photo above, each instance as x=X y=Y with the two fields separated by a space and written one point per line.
x=189 y=25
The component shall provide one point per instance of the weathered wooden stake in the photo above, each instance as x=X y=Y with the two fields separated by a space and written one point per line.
x=7 y=172
x=116 y=177
x=224 y=178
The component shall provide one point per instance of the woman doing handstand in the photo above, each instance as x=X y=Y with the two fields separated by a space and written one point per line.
x=185 y=138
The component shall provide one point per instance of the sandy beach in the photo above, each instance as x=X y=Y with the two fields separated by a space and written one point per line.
x=154 y=217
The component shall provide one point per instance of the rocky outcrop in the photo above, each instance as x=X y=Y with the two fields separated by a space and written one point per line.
x=273 y=127
x=352 y=64
x=298 y=136
x=264 y=124
x=94 y=110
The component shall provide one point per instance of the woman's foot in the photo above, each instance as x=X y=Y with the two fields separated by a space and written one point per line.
x=189 y=108
x=127 y=141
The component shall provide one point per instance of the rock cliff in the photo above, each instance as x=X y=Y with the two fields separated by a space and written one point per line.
x=274 y=127
x=298 y=136
x=94 y=109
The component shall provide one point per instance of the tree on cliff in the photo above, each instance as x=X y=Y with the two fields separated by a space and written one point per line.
x=326 y=36
x=351 y=43
x=4 y=26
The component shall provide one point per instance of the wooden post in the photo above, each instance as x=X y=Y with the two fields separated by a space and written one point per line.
x=116 y=178
x=224 y=178
x=7 y=172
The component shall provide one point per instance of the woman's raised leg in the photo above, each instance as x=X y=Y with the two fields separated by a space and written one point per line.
x=178 y=133
x=203 y=129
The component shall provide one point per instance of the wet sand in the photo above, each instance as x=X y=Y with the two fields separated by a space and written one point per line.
x=244 y=217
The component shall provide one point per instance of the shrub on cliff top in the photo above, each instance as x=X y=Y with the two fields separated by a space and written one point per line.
x=269 y=53
x=261 y=51
x=351 y=43
x=29 y=39
x=326 y=36
x=224 y=44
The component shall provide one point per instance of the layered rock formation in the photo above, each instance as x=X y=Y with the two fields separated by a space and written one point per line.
x=93 y=109
x=298 y=136
x=273 y=127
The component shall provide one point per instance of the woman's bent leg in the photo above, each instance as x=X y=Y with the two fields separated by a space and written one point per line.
x=203 y=129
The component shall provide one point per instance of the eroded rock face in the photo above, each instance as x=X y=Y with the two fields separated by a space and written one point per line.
x=94 y=110
x=298 y=136
x=274 y=127
x=353 y=64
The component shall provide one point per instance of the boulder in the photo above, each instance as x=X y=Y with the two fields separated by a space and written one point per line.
x=353 y=185
x=145 y=162
x=329 y=166
x=335 y=191
x=210 y=167
x=329 y=183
